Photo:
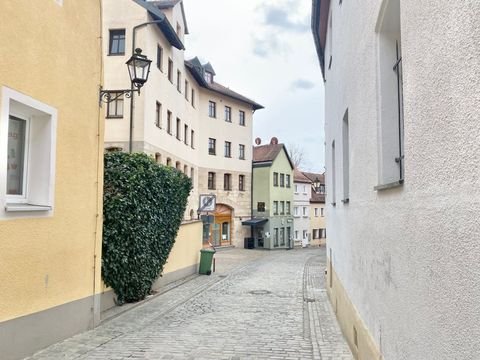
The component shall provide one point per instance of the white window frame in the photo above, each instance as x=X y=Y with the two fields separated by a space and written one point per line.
x=40 y=156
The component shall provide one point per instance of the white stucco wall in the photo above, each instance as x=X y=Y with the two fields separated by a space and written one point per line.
x=409 y=257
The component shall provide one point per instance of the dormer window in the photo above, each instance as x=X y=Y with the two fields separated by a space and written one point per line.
x=208 y=77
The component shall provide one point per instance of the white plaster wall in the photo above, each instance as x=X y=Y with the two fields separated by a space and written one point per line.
x=409 y=257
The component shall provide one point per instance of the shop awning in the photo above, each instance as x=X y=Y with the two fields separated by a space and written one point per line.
x=254 y=222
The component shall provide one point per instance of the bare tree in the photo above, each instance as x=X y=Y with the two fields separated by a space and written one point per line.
x=297 y=155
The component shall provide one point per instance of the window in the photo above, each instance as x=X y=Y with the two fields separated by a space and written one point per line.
x=275 y=208
x=346 y=158
x=296 y=234
x=241 y=118
x=287 y=211
x=178 y=166
x=212 y=146
x=186 y=90
x=192 y=175
x=179 y=79
x=212 y=109
x=321 y=212
x=241 y=182
x=316 y=212
x=287 y=180
x=115 y=107
x=193 y=97
x=185 y=134
x=227 y=181
x=315 y=233
x=158 y=158
x=260 y=206
x=295 y=210
x=158 y=115
x=28 y=132
x=178 y=129
x=159 y=57
x=228 y=149
x=304 y=189
x=282 y=180
x=241 y=152
x=170 y=70
x=275 y=179
x=304 y=211
x=169 y=162
x=208 y=77
x=282 y=236
x=117 y=42
x=211 y=181
x=391 y=124
x=305 y=234
x=296 y=189
x=228 y=114
x=192 y=139
x=282 y=207
x=275 y=237
x=169 y=122
x=185 y=169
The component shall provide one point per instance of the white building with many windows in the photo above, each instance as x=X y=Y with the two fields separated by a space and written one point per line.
x=183 y=117
x=402 y=108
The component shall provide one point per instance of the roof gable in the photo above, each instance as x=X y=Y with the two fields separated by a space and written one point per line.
x=163 y=23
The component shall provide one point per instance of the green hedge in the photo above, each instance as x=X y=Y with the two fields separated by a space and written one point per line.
x=143 y=208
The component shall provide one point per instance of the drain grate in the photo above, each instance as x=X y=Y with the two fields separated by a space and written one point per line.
x=309 y=300
x=259 y=292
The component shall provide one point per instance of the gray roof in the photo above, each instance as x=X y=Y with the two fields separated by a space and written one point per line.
x=208 y=67
x=167 y=4
x=198 y=70
x=164 y=25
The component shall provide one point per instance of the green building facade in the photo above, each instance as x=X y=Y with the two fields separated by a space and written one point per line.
x=272 y=197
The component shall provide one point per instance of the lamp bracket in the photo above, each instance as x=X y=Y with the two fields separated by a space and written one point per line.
x=107 y=96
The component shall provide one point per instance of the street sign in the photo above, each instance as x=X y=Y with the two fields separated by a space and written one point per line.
x=207 y=203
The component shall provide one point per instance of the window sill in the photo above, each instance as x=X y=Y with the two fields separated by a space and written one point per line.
x=114 y=117
x=26 y=208
x=116 y=54
x=388 y=186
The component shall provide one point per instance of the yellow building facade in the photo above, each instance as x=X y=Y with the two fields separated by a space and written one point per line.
x=51 y=166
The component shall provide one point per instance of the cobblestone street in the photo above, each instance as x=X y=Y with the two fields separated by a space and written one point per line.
x=257 y=305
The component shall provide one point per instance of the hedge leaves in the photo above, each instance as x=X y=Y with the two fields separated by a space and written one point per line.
x=143 y=208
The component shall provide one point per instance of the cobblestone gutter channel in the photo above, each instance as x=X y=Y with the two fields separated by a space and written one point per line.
x=259 y=305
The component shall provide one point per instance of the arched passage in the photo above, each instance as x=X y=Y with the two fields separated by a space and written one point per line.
x=222 y=228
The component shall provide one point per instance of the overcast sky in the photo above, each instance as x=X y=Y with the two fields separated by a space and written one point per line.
x=265 y=51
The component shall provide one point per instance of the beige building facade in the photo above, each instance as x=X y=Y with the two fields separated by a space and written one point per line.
x=183 y=117
x=51 y=178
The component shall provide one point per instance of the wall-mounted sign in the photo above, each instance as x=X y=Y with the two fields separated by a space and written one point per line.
x=207 y=203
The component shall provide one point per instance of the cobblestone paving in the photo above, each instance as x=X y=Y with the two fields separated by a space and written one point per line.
x=257 y=305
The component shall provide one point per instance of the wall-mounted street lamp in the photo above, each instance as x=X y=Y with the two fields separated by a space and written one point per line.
x=138 y=69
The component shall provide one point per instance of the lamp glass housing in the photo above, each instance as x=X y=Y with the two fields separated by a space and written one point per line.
x=138 y=68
